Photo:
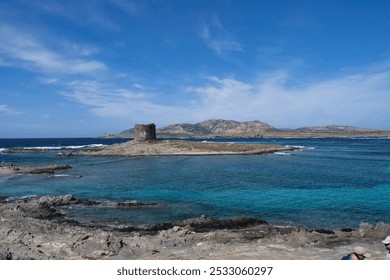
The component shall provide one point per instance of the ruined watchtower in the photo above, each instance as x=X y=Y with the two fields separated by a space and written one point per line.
x=144 y=132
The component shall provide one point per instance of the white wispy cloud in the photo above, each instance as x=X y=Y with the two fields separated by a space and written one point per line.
x=20 y=49
x=353 y=99
x=107 y=100
x=217 y=38
x=359 y=99
x=80 y=50
x=81 y=12
x=5 y=110
x=130 y=7
x=49 y=80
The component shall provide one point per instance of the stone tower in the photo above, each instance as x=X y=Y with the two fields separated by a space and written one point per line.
x=144 y=132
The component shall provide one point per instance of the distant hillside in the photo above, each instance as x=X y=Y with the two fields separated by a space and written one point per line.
x=209 y=128
x=214 y=128
x=333 y=129
x=229 y=128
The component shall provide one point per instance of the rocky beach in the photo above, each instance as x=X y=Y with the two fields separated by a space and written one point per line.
x=34 y=228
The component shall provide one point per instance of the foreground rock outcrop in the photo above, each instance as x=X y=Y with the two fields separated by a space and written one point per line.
x=27 y=233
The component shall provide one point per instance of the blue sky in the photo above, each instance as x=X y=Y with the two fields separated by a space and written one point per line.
x=82 y=68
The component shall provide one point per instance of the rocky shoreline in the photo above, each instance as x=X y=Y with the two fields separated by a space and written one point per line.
x=11 y=169
x=34 y=228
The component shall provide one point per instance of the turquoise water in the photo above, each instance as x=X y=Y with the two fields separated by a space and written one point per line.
x=329 y=183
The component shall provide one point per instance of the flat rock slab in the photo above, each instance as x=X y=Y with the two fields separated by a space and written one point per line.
x=8 y=170
x=181 y=147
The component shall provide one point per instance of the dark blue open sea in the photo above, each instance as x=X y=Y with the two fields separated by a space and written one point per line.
x=329 y=183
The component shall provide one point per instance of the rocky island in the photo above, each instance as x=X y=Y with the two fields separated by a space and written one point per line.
x=145 y=143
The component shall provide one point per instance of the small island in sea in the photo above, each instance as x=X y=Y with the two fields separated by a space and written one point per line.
x=146 y=143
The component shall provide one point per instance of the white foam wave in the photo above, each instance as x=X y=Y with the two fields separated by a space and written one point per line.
x=371 y=138
x=282 y=153
x=41 y=148
x=296 y=146
x=73 y=147
x=17 y=198
x=300 y=147
x=2 y=150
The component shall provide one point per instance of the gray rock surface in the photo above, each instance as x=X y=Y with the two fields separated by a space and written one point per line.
x=181 y=147
x=23 y=236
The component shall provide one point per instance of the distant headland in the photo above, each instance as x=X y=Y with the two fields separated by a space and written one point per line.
x=218 y=128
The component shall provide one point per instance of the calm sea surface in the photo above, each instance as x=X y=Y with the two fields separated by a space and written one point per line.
x=329 y=183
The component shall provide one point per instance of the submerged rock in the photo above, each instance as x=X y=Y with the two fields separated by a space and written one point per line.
x=131 y=204
x=204 y=224
x=46 y=169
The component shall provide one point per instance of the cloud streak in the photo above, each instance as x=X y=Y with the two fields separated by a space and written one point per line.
x=349 y=100
x=352 y=99
x=108 y=101
x=22 y=50
x=5 y=110
x=217 y=38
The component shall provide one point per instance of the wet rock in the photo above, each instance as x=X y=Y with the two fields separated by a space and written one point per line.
x=346 y=229
x=62 y=200
x=43 y=212
x=56 y=200
x=204 y=224
x=324 y=231
x=5 y=255
x=70 y=154
x=47 y=169
x=135 y=204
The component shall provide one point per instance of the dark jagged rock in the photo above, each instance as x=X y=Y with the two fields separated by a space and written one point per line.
x=347 y=230
x=46 y=207
x=203 y=224
x=56 y=200
x=47 y=169
x=70 y=154
x=43 y=212
x=132 y=204
x=325 y=231
x=5 y=255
